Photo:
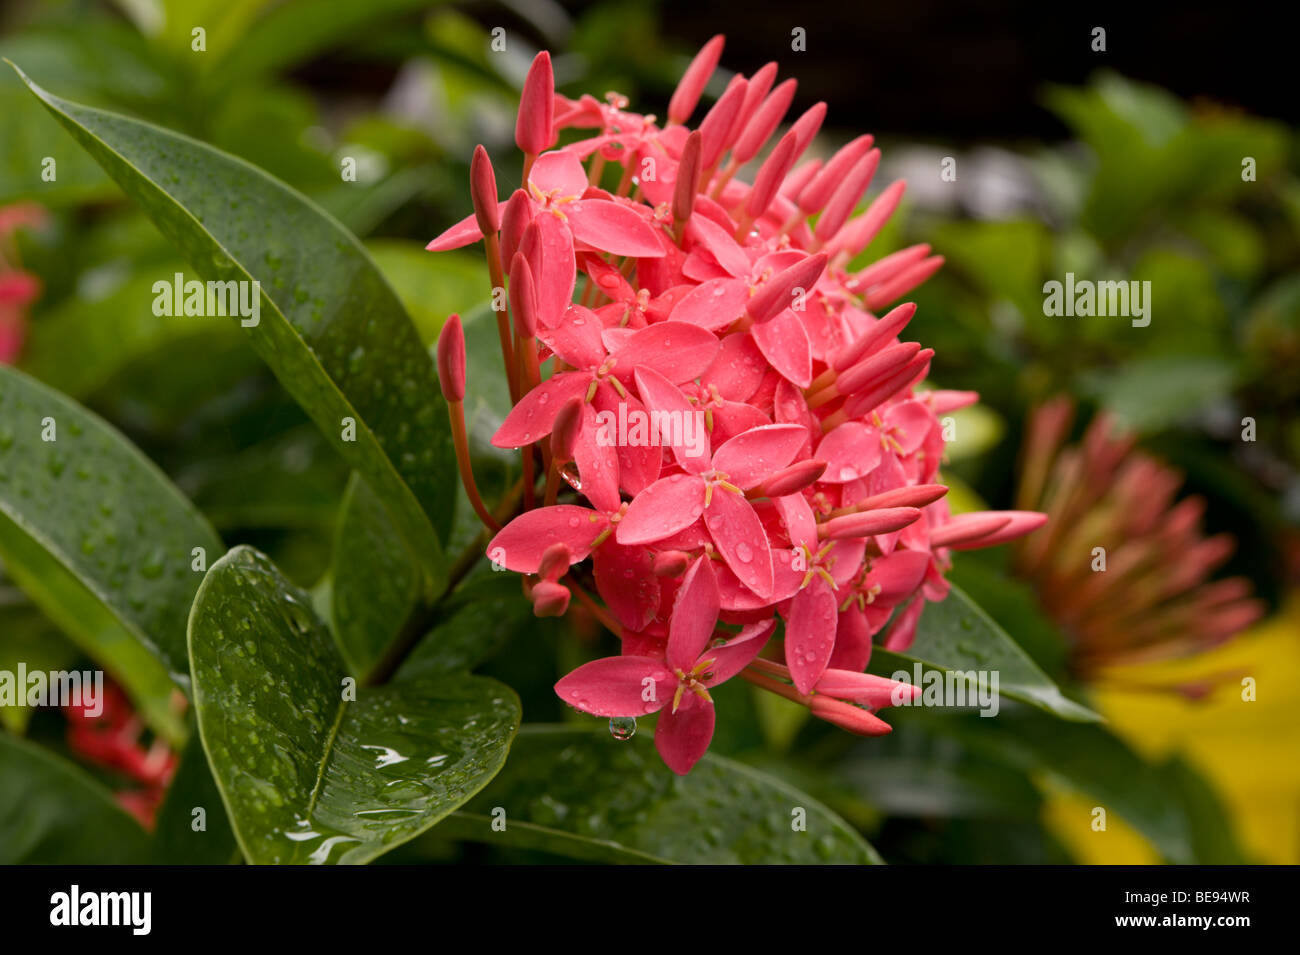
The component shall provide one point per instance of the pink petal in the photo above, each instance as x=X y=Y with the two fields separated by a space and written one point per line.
x=799 y=519
x=903 y=631
x=677 y=350
x=731 y=418
x=720 y=244
x=521 y=543
x=625 y=579
x=852 y=641
x=713 y=305
x=740 y=538
x=784 y=342
x=463 y=233
x=913 y=421
x=555 y=268
x=614 y=686
x=559 y=171
x=749 y=459
x=612 y=227
x=596 y=456
x=810 y=633
x=738 y=652
x=638 y=467
x=661 y=395
x=851 y=451
x=533 y=417
x=683 y=737
x=667 y=506
x=898 y=574
x=695 y=614
x=738 y=369
x=577 y=338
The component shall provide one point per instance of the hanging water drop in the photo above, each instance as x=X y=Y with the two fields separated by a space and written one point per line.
x=622 y=728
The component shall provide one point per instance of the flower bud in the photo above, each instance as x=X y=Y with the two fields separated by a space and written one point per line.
x=451 y=359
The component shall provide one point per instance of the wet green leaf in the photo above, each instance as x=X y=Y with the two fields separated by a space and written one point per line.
x=308 y=776
x=27 y=637
x=48 y=806
x=376 y=582
x=330 y=326
x=100 y=539
x=183 y=836
x=580 y=793
x=956 y=635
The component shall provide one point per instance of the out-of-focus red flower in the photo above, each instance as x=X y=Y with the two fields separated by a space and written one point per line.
x=114 y=740
x=1123 y=566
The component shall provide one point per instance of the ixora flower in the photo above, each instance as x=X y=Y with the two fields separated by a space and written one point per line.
x=658 y=285
x=18 y=289
x=1124 y=569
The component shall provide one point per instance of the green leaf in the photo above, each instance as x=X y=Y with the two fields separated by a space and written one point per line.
x=89 y=338
x=1089 y=760
x=294 y=31
x=433 y=286
x=330 y=326
x=955 y=635
x=307 y=775
x=54 y=813
x=375 y=578
x=1151 y=394
x=100 y=539
x=473 y=622
x=28 y=638
x=176 y=840
x=580 y=793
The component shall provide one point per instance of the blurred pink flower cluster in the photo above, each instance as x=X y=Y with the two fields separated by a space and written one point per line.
x=740 y=434
x=18 y=289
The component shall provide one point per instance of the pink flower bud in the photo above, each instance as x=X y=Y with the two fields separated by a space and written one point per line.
x=866 y=689
x=556 y=560
x=794 y=479
x=901 y=284
x=836 y=170
x=717 y=122
x=671 y=563
x=550 y=599
x=808 y=125
x=514 y=220
x=776 y=293
x=846 y=195
x=534 y=129
x=888 y=327
x=883 y=364
x=847 y=716
x=694 y=80
x=451 y=359
x=770 y=176
x=565 y=430
x=688 y=178
x=762 y=124
x=1015 y=524
x=523 y=296
x=884 y=520
x=483 y=190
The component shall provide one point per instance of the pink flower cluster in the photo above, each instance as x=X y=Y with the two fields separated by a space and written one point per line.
x=659 y=285
x=18 y=289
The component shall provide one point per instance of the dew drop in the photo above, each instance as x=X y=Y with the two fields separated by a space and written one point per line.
x=622 y=728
